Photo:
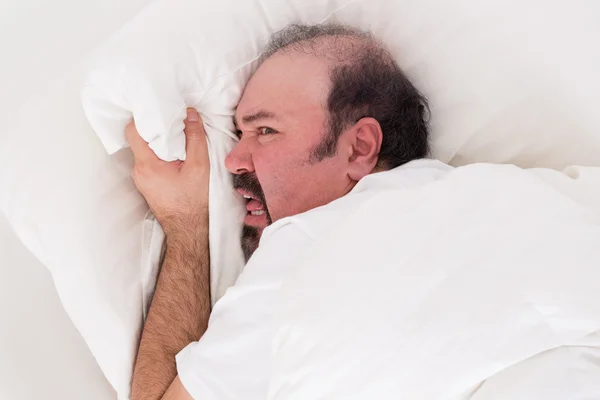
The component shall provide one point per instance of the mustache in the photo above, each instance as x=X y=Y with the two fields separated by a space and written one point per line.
x=249 y=182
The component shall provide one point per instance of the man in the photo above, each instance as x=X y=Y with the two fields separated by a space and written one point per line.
x=327 y=107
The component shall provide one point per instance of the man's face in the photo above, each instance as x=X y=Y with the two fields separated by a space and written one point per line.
x=282 y=117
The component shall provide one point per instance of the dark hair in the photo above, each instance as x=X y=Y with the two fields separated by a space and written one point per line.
x=366 y=82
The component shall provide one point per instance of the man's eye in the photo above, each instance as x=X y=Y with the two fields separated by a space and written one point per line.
x=238 y=133
x=266 y=131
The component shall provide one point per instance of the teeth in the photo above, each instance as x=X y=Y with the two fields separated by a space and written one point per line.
x=259 y=212
x=247 y=197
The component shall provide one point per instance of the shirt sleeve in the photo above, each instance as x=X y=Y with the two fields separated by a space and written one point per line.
x=233 y=358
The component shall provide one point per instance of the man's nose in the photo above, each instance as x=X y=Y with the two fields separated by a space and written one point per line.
x=239 y=160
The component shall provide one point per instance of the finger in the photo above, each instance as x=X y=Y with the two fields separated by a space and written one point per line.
x=196 y=147
x=140 y=148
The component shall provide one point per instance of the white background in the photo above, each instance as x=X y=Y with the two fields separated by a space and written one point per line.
x=42 y=356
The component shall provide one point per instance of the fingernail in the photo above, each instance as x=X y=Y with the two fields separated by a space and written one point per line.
x=192 y=115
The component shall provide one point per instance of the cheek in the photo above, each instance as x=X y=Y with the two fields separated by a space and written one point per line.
x=281 y=173
x=274 y=167
x=290 y=183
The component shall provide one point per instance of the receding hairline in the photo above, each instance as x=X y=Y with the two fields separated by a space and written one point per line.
x=337 y=43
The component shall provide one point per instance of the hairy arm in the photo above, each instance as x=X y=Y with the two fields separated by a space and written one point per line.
x=177 y=193
x=178 y=314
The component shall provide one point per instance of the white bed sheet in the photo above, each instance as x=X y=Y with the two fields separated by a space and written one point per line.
x=41 y=40
x=42 y=356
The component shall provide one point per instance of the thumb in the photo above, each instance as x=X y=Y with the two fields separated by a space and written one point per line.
x=195 y=138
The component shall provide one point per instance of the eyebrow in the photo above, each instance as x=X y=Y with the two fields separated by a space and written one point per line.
x=257 y=116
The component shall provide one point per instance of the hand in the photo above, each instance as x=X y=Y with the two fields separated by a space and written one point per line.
x=177 y=191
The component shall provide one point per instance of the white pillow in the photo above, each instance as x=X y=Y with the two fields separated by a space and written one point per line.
x=77 y=210
x=505 y=85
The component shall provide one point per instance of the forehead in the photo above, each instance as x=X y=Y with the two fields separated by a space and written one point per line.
x=291 y=85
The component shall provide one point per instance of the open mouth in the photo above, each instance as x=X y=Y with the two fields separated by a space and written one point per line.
x=254 y=205
x=247 y=186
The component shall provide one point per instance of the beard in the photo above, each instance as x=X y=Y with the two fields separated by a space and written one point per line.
x=251 y=234
x=250 y=240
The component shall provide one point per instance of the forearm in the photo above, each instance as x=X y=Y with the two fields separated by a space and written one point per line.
x=178 y=314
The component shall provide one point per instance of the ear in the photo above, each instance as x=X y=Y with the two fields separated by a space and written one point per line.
x=365 y=144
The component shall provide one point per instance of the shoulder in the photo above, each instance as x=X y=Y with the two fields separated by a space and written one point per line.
x=316 y=223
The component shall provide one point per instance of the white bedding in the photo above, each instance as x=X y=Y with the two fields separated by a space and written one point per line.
x=53 y=170
x=42 y=356
x=486 y=279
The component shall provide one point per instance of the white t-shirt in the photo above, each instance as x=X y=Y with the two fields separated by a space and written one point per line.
x=233 y=358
